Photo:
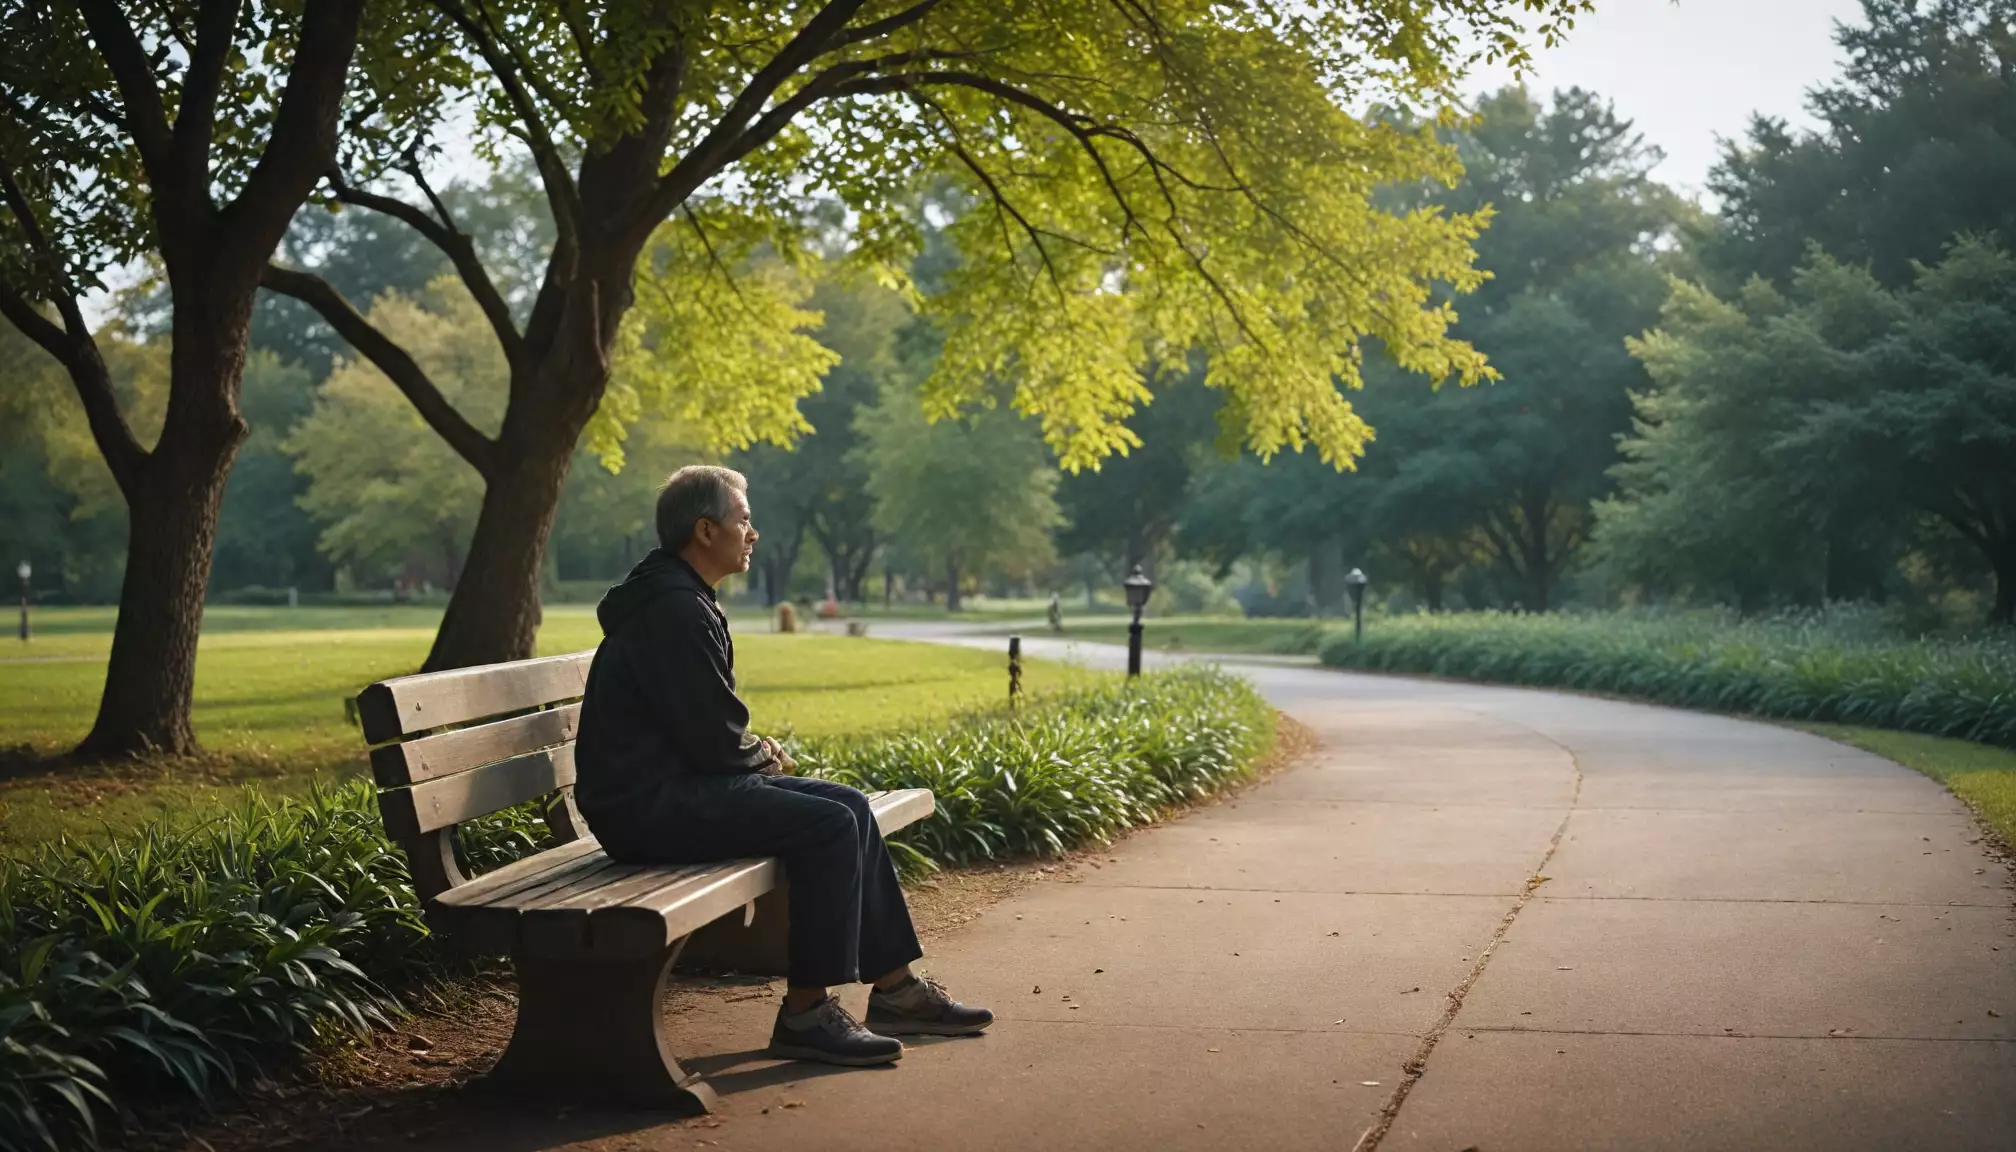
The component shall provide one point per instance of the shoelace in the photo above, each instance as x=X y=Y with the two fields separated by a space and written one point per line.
x=832 y=1013
x=934 y=993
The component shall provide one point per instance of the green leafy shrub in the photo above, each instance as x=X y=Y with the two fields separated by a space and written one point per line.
x=1072 y=770
x=1837 y=666
x=179 y=961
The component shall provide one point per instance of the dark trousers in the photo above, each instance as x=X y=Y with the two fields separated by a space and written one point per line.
x=848 y=918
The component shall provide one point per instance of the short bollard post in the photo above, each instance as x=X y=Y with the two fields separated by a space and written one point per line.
x=1014 y=670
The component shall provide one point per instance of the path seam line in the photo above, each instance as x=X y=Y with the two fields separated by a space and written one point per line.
x=1414 y=1069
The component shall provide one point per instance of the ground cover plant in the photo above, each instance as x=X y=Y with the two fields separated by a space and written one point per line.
x=177 y=961
x=271 y=685
x=1834 y=667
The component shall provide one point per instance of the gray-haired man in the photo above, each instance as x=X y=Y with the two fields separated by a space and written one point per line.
x=670 y=773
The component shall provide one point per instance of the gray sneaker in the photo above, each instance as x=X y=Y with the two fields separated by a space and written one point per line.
x=920 y=1006
x=825 y=1032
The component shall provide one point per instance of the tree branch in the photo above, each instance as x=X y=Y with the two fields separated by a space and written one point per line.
x=139 y=91
x=460 y=250
x=399 y=367
x=302 y=142
x=706 y=158
x=86 y=369
x=831 y=82
x=561 y=193
x=883 y=27
x=216 y=28
x=72 y=345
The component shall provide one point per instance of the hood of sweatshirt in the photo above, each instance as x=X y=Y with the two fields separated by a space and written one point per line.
x=658 y=575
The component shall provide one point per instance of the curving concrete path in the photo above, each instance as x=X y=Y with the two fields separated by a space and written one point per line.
x=1477 y=918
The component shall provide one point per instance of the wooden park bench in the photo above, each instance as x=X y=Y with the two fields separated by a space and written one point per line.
x=592 y=940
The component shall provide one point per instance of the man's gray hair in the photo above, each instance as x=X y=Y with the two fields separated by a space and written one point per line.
x=692 y=492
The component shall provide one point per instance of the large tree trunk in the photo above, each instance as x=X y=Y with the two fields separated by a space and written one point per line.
x=173 y=498
x=2004 y=559
x=952 y=598
x=171 y=537
x=493 y=615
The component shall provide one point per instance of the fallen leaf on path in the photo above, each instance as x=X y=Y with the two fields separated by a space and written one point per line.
x=1036 y=991
x=1210 y=1049
x=1564 y=968
x=1994 y=1013
x=1369 y=1083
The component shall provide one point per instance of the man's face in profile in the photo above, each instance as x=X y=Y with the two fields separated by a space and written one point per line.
x=727 y=546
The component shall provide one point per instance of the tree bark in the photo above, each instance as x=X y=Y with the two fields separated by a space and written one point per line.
x=494 y=613
x=2003 y=612
x=171 y=537
x=952 y=598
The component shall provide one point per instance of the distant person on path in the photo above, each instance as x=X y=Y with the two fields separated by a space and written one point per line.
x=668 y=772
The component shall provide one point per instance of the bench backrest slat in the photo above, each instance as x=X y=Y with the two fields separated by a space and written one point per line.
x=446 y=753
x=438 y=803
x=409 y=704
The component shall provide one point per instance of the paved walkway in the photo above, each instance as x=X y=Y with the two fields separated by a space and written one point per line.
x=1478 y=918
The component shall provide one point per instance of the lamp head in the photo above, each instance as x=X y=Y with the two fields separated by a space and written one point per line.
x=24 y=571
x=1137 y=586
x=1355 y=579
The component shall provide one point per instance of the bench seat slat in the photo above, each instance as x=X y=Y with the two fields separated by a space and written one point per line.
x=652 y=920
x=588 y=899
x=500 y=881
x=590 y=870
x=446 y=753
x=403 y=706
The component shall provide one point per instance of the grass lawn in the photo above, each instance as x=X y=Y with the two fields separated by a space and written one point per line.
x=1272 y=635
x=271 y=682
x=1981 y=775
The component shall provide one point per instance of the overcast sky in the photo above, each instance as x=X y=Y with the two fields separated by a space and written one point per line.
x=1691 y=71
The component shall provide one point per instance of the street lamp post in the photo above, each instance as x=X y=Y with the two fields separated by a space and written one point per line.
x=1355 y=581
x=1138 y=586
x=24 y=571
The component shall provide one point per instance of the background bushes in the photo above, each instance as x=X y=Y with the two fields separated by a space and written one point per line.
x=1832 y=666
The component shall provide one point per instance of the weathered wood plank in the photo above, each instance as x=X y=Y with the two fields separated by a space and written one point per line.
x=478 y=792
x=499 y=883
x=399 y=707
x=641 y=921
x=898 y=809
x=649 y=921
x=496 y=925
x=444 y=754
x=589 y=902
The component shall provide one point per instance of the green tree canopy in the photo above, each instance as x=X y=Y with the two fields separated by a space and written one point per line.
x=1154 y=178
x=1500 y=475
x=969 y=494
x=1916 y=144
x=1788 y=429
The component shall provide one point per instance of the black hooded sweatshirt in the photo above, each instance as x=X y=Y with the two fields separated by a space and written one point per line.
x=660 y=703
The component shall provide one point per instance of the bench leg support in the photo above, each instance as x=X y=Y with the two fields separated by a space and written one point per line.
x=594 y=1029
x=761 y=947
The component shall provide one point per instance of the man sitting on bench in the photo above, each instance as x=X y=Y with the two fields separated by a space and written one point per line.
x=668 y=772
